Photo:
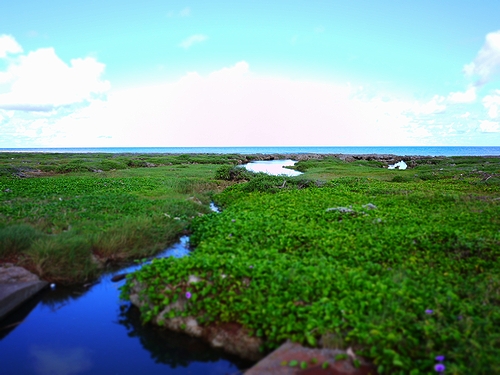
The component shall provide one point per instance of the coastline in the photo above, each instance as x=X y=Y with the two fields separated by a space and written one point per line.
x=358 y=150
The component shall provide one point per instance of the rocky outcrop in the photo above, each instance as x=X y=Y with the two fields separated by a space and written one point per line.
x=16 y=286
x=295 y=359
x=232 y=337
x=10 y=274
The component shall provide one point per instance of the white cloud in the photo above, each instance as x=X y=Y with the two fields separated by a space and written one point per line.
x=41 y=81
x=487 y=62
x=186 y=12
x=433 y=106
x=233 y=106
x=197 y=38
x=492 y=104
x=234 y=72
x=468 y=96
x=8 y=45
x=487 y=126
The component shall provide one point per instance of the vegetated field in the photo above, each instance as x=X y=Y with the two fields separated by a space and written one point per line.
x=66 y=216
x=402 y=266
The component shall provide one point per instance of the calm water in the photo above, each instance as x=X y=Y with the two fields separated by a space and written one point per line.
x=77 y=331
x=273 y=167
x=425 y=151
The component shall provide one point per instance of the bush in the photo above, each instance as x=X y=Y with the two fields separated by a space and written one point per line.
x=400 y=178
x=232 y=173
x=71 y=167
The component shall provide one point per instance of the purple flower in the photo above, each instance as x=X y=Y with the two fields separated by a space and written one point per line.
x=439 y=367
x=440 y=358
x=188 y=295
x=429 y=311
x=250 y=267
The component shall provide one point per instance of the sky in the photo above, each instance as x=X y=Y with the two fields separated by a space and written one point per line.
x=194 y=73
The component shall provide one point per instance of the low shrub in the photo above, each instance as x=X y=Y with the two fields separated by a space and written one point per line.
x=232 y=173
x=401 y=273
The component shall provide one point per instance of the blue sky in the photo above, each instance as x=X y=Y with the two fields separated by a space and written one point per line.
x=249 y=73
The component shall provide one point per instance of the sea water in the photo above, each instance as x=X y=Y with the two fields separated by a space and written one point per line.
x=394 y=150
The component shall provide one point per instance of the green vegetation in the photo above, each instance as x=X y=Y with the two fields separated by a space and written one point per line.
x=66 y=223
x=26 y=164
x=401 y=266
x=420 y=169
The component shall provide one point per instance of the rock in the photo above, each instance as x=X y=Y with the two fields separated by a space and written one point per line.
x=10 y=274
x=232 y=337
x=195 y=200
x=277 y=362
x=193 y=279
x=344 y=210
x=17 y=285
x=370 y=206
x=97 y=261
x=119 y=277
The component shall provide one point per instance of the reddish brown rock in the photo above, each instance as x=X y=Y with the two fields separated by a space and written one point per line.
x=278 y=362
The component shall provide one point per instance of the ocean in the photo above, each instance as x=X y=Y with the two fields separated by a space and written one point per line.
x=396 y=150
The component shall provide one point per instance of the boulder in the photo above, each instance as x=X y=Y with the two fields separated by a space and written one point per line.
x=17 y=285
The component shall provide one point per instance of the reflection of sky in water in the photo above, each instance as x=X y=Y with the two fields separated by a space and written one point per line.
x=83 y=331
x=273 y=167
x=178 y=250
x=61 y=361
x=400 y=165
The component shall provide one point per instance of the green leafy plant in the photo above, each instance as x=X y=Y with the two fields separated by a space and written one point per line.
x=284 y=264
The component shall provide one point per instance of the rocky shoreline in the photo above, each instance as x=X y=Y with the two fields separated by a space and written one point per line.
x=386 y=159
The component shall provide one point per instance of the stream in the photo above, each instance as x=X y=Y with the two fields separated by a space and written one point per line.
x=88 y=330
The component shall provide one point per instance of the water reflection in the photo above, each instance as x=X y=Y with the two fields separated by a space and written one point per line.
x=400 y=165
x=176 y=349
x=62 y=296
x=13 y=320
x=273 y=167
x=88 y=330
x=178 y=250
x=64 y=361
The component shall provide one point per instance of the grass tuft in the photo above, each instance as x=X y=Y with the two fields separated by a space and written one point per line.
x=15 y=239
x=65 y=257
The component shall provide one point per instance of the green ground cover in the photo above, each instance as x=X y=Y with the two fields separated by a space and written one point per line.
x=66 y=226
x=402 y=266
x=56 y=163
